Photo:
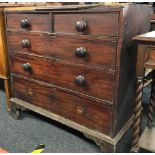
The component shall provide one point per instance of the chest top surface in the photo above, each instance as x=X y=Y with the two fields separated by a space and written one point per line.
x=147 y=37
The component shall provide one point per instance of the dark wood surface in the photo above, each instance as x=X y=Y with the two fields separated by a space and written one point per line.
x=64 y=46
x=136 y=21
x=62 y=73
x=91 y=114
x=65 y=23
x=4 y=68
x=96 y=23
x=38 y=22
x=109 y=70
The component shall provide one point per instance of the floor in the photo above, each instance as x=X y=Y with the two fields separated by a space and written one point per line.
x=26 y=134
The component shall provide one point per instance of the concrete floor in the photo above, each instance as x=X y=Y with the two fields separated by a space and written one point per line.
x=26 y=134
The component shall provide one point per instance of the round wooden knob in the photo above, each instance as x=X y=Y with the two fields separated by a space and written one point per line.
x=80 y=26
x=27 y=67
x=24 y=23
x=25 y=43
x=80 y=80
x=80 y=52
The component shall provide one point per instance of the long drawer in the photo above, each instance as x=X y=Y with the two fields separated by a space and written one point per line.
x=88 y=50
x=87 y=80
x=90 y=114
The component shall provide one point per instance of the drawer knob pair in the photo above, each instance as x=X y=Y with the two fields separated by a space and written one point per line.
x=25 y=43
x=80 y=52
x=27 y=67
x=80 y=26
x=80 y=80
x=24 y=23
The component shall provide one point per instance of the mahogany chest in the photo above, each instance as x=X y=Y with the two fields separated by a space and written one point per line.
x=76 y=65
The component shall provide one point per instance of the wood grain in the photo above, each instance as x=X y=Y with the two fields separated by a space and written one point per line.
x=97 y=24
x=136 y=21
x=91 y=114
x=64 y=46
x=39 y=22
x=109 y=71
x=61 y=73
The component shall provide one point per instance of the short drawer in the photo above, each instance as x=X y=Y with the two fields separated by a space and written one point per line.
x=87 y=24
x=87 y=50
x=30 y=22
x=85 y=112
x=79 y=78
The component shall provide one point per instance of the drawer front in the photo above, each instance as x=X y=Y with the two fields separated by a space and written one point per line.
x=32 y=22
x=88 y=24
x=90 y=114
x=76 y=77
x=87 y=50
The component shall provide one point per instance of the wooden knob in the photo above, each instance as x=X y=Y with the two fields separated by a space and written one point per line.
x=25 y=43
x=24 y=23
x=80 y=80
x=27 y=67
x=80 y=26
x=80 y=52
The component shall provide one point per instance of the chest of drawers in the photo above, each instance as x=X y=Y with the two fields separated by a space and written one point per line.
x=76 y=65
